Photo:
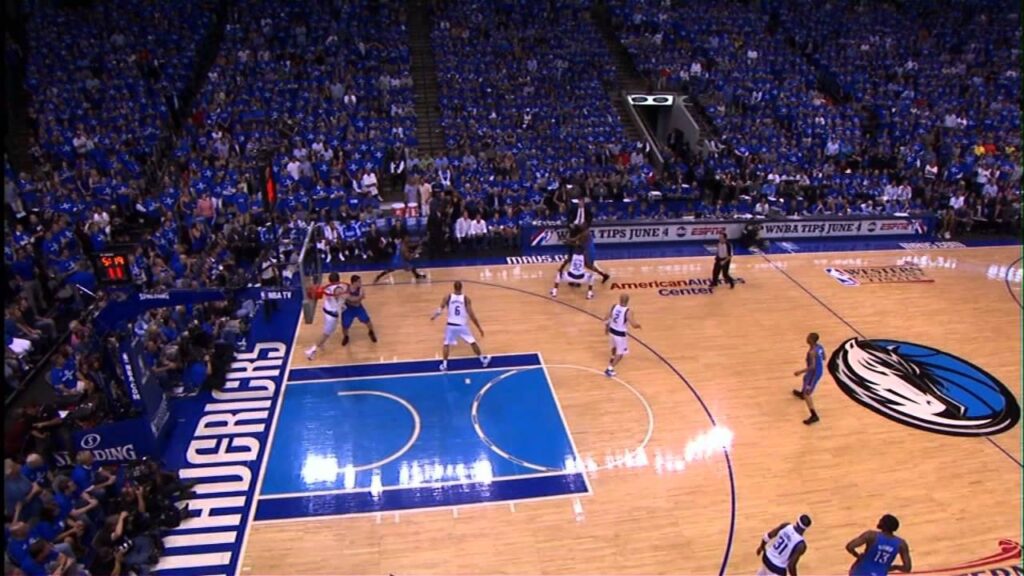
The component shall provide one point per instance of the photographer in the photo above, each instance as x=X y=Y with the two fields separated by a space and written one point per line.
x=270 y=277
x=751 y=237
x=139 y=552
x=166 y=484
x=40 y=421
x=149 y=495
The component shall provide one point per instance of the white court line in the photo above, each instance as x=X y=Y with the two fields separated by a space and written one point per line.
x=647 y=407
x=579 y=463
x=416 y=486
x=904 y=250
x=409 y=374
x=428 y=509
x=396 y=361
x=583 y=472
x=474 y=410
x=416 y=426
x=266 y=454
x=565 y=423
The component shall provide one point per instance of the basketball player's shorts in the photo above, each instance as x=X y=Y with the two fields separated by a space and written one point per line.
x=330 y=321
x=620 y=342
x=585 y=278
x=353 y=313
x=454 y=332
x=398 y=260
x=769 y=569
x=811 y=382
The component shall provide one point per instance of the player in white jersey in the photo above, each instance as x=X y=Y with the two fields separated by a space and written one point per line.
x=460 y=313
x=334 y=298
x=577 y=272
x=616 y=325
x=783 y=547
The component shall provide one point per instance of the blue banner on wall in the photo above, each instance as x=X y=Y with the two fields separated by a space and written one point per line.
x=127 y=310
x=145 y=392
x=119 y=441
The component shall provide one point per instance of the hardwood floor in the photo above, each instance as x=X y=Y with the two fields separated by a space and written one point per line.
x=713 y=370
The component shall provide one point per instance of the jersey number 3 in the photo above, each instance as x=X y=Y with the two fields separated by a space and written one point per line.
x=780 y=545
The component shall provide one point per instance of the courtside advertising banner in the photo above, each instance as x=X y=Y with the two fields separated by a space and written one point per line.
x=708 y=230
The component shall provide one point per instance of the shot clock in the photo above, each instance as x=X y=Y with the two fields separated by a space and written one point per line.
x=112 y=267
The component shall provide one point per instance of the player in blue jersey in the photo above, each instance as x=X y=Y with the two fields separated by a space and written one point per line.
x=812 y=374
x=880 y=549
x=354 y=310
x=405 y=253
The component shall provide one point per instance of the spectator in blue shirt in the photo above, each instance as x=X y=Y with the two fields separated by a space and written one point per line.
x=82 y=275
x=35 y=470
x=18 y=543
x=88 y=478
x=194 y=375
x=44 y=559
x=73 y=504
x=64 y=535
x=63 y=377
x=21 y=495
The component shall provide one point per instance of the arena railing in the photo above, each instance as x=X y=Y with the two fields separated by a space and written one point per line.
x=38 y=369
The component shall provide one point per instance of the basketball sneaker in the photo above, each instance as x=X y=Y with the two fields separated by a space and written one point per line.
x=485 y=360
x=799 y=394
x=310 y=353
x=609 y=372
x=554 y=292
x=443 y=367
x=373 y=337
x=344 y=340
x=590 y=294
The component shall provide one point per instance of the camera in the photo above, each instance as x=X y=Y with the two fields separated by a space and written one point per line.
x=139 y=471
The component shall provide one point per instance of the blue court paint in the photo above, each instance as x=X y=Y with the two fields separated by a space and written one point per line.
x=375 y=443
x=407 y=367
x=220 y=440
x=690 y=387
x=362 y=502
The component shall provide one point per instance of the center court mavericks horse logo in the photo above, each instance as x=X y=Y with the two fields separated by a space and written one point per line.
x=923 y=387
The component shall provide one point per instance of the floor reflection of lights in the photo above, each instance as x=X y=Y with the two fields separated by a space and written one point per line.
x=702 y=447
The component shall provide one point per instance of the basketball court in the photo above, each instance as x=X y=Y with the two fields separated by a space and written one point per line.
x=539 y=463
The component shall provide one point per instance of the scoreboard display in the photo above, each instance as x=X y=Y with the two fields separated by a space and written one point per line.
x=112 y=266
